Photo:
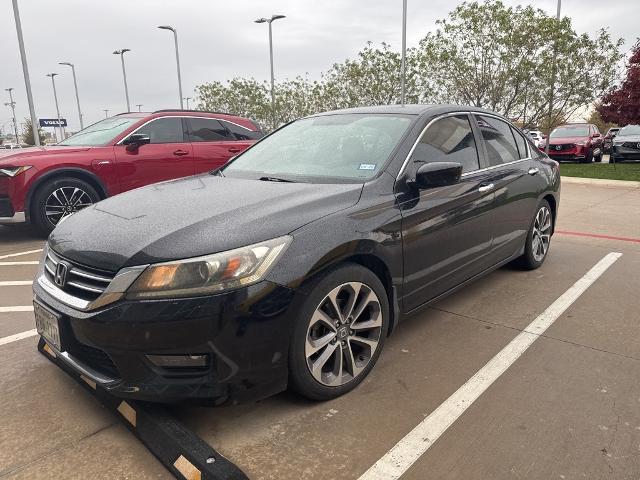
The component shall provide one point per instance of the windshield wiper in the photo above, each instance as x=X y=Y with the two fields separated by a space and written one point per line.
x=276 y=179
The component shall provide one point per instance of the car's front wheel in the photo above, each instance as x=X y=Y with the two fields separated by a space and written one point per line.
x=339 y=332
x=58 y=198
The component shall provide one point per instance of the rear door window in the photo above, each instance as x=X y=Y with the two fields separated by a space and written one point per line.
x=498 y=139
x=241 y=133
x=208 y=130
x=449 y=139
x=521 y=143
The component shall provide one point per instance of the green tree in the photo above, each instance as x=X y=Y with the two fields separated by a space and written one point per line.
x=483 y=54
x=502 y=58
x=598 y=121
x=27 y=133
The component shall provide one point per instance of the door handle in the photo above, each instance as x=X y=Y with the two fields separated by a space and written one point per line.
x=180 y=153
x=485 y=187
x=533 y=171
x=234 y=149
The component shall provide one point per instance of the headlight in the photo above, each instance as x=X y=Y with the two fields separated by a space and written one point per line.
x=209 y=274
x=13 y=171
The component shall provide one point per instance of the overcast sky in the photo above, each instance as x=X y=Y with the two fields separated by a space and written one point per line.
x=218 y=40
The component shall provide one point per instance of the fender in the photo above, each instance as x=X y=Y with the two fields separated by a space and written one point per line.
x=60 y=172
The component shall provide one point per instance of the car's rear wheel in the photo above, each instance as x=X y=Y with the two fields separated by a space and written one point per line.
x=598 y=156
x=538 y=238
x=339 y=333
x=59 y=198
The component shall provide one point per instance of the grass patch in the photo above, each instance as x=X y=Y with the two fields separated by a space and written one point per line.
x=622 y=171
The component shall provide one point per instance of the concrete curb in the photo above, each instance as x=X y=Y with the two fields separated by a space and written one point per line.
x=601 y=182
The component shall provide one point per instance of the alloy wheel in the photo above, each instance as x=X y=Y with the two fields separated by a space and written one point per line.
x=541 y=234
x=64 y=201
x=343 y=334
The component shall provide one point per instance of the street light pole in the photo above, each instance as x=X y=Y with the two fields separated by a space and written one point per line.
x=403 y=65
x=75 y=85
x=55 y=97
x=121 y=52
x=175 y=39
x=12 y=104
x=106 y=113
x=187 y=100
x=553 y=85
x=25 y=71
x=273 y=97
x=139 y=105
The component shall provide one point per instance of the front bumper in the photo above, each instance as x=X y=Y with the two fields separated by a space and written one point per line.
x=566 y=157
x=625 y=153
x=244 y=332
x=8 y=214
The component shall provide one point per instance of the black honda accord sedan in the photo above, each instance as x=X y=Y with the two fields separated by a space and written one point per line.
x=291 y=265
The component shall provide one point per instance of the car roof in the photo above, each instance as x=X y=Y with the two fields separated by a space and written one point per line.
x=245 y=122
x=410 y=109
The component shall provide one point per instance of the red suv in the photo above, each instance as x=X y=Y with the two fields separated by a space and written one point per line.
x=580 y=142
x=43 y=185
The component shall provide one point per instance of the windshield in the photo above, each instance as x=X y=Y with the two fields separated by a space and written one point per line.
x=629 y=130
x=101 y=133
x=571 y=131
x=349 y=147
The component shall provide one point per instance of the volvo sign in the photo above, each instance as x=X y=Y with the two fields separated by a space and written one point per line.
x=53 y=122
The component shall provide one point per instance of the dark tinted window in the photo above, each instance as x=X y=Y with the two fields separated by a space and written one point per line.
x=164 y=130
x=521 y=143
x=501 y=146
x=207 y=130
x=241 y=133
x=449 y=139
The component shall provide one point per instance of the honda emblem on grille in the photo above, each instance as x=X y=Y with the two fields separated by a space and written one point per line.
x=61 y=274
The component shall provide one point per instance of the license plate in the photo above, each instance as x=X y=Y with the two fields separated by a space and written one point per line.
x=47 y=324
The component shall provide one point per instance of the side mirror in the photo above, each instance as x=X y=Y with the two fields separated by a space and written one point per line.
x=438 y=174
x=596 y=135
x=135 y=141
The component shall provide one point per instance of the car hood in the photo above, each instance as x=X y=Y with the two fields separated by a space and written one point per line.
x=562 y=141
x=20 y=154
x=191 y=217
x=627 y=138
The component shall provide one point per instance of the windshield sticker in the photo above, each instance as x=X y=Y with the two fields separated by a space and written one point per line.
x=367 y=166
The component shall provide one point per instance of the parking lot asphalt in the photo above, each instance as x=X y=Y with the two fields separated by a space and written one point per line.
x=569 y=407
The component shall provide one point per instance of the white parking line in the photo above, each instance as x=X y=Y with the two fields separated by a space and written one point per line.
x=16 y=283
x=2 y=257
x=25 y=308
x=408 y=450
x=18 y=336
x=8 y=264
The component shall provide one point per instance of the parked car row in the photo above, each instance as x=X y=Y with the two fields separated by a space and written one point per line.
x=44 y=185
x=288 y=266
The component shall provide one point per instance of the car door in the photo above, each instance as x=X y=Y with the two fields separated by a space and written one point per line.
x=446 y=231
x=512 y=175
x=213 y=143
x=169 y=155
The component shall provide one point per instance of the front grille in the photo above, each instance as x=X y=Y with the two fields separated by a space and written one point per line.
x=82 y=282
x=94 y=358
x=563 y=147
x=631 y=145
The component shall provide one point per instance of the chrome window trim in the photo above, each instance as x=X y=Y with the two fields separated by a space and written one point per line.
x=453 y=114
x=182 y=116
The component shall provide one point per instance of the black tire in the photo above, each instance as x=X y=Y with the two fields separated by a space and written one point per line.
x=598 y=158
x=588 y=158
x=39 y=216
x=530 y=260
x=301 y=379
